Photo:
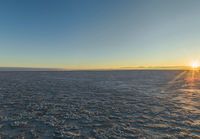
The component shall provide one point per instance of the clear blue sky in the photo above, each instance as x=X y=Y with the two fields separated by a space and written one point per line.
x=81 y=34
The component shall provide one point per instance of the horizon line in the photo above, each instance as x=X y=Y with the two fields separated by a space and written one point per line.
x=95 y=69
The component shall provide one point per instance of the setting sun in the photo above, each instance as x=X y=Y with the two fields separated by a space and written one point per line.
x=195 y=64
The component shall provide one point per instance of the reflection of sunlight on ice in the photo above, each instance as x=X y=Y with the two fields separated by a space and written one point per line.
x=190 y=92
x=186 y=99
x=185 y=90
x=192 y=76
x=173 y=81
x=185 y=96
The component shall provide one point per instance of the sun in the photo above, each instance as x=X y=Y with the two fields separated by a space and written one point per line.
x=195 y=64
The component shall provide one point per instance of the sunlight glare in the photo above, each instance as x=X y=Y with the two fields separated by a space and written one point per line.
x=195 y=64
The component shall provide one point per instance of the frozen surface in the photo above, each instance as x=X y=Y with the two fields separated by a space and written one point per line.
x=106 y=104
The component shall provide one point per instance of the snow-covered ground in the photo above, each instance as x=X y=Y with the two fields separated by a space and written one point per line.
x=100 y=104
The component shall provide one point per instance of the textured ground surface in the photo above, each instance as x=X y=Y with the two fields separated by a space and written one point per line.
x=114 y=104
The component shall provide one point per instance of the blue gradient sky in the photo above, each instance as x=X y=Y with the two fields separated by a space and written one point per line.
x=90 y=34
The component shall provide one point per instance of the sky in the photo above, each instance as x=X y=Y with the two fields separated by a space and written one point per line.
x=99 y=34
